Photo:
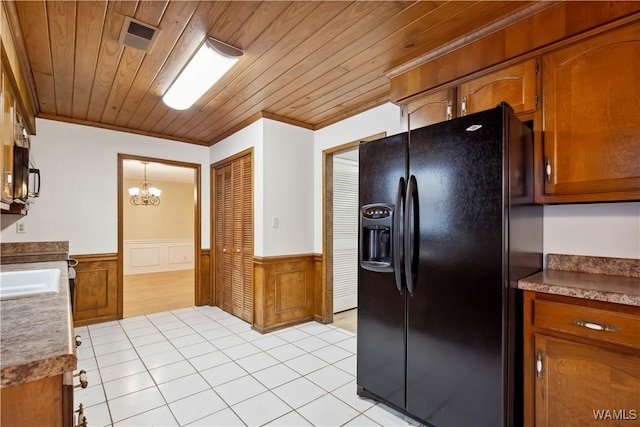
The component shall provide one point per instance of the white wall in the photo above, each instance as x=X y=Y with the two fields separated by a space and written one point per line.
x=79 y=174
x=385 y=118
x=251 y=136
x=282 y=179
x=604 y=229
x=288 y=180
x=79 y=168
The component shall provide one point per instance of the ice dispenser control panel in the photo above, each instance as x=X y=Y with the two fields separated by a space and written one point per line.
x=376 y=237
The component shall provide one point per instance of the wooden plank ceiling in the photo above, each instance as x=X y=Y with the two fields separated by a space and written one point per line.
x=310 y=63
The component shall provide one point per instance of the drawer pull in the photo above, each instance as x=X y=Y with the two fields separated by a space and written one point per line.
x=84 y=383
x=539 y=357
x=594 y=326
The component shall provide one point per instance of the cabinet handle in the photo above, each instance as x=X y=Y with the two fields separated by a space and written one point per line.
x=547 y=169
x=464 y=105
x=539 y=357
x=594 y=326
x=224 y=250
x=449 y=111
x=80 y=413
x=84 y=383
x=237 y=250
x=78 y=339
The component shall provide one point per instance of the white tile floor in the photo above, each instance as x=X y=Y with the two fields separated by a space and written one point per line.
x=203 y=367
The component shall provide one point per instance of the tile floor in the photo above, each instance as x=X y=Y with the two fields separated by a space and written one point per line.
x=203 y=367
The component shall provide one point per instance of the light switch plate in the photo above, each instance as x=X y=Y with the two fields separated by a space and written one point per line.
x=275 y=222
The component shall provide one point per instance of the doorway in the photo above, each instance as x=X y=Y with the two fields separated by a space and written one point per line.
x=158 y=235
x=338 y=286
x=345 y=230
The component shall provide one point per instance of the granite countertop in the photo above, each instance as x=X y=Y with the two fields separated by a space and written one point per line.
x=603 y=279
x=36 y=332
x=601 y=287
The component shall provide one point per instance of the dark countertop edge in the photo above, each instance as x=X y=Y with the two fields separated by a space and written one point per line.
x=37 y=370
x=57 y=362
x=555 y=282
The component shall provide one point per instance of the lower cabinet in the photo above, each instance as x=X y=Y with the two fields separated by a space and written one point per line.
x=582 y=362
x=44 y=402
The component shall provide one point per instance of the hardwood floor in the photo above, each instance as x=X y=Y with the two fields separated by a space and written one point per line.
x=155 y=292
x=347 y=320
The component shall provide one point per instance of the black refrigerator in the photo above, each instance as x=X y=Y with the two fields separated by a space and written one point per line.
x=448 y=224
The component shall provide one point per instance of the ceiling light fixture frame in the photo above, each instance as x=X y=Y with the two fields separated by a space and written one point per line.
x=212 y=60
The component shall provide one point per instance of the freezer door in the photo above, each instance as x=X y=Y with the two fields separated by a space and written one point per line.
x=455 y=312
x=381 y=304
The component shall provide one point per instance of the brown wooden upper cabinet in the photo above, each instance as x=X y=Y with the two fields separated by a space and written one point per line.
x=429 y=109
x=591 y=96
x=515 y=84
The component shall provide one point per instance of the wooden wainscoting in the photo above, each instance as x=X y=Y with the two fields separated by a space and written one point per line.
x=284 y=291
x=204 y=291
x=96 y=290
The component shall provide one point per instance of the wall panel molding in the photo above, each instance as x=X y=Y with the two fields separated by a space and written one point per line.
x=204 y=292
x=156 y=255
x=96 y=290
x=285 y=289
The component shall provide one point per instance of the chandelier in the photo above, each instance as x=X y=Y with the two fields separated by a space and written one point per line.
x=145 y=195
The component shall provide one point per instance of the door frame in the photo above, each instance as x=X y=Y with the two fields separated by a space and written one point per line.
x=197 y=238
x=326 y=294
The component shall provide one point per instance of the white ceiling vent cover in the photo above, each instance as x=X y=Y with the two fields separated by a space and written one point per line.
x=138 y=35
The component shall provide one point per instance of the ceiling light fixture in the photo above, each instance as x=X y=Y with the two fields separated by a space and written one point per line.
x=207 y=66
x=145 y=195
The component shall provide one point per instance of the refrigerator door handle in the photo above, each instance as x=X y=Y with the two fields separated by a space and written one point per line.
x=410 y=233
x=397 y=236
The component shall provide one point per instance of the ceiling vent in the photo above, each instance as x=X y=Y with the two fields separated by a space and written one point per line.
x=138 y=35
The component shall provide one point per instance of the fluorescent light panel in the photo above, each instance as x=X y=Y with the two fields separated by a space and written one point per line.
x=208 y=65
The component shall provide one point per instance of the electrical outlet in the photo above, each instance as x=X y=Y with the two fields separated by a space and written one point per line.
x=275 y=222
x=21 y=227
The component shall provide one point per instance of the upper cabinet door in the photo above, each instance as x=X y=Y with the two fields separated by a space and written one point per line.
x=515 y=84
x=592 y=119
x=7 y=140
x=429 y=109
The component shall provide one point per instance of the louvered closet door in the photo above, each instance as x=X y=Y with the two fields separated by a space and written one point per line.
x=247 y=238
x=345 y=234
x=224 y=237
x=234 y=238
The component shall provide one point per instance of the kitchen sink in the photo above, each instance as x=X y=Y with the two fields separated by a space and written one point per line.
x=17 y=284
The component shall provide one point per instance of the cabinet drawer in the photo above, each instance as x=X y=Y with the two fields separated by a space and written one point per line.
x=604 y=325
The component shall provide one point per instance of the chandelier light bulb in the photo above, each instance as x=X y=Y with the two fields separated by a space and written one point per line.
x=145 y=195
